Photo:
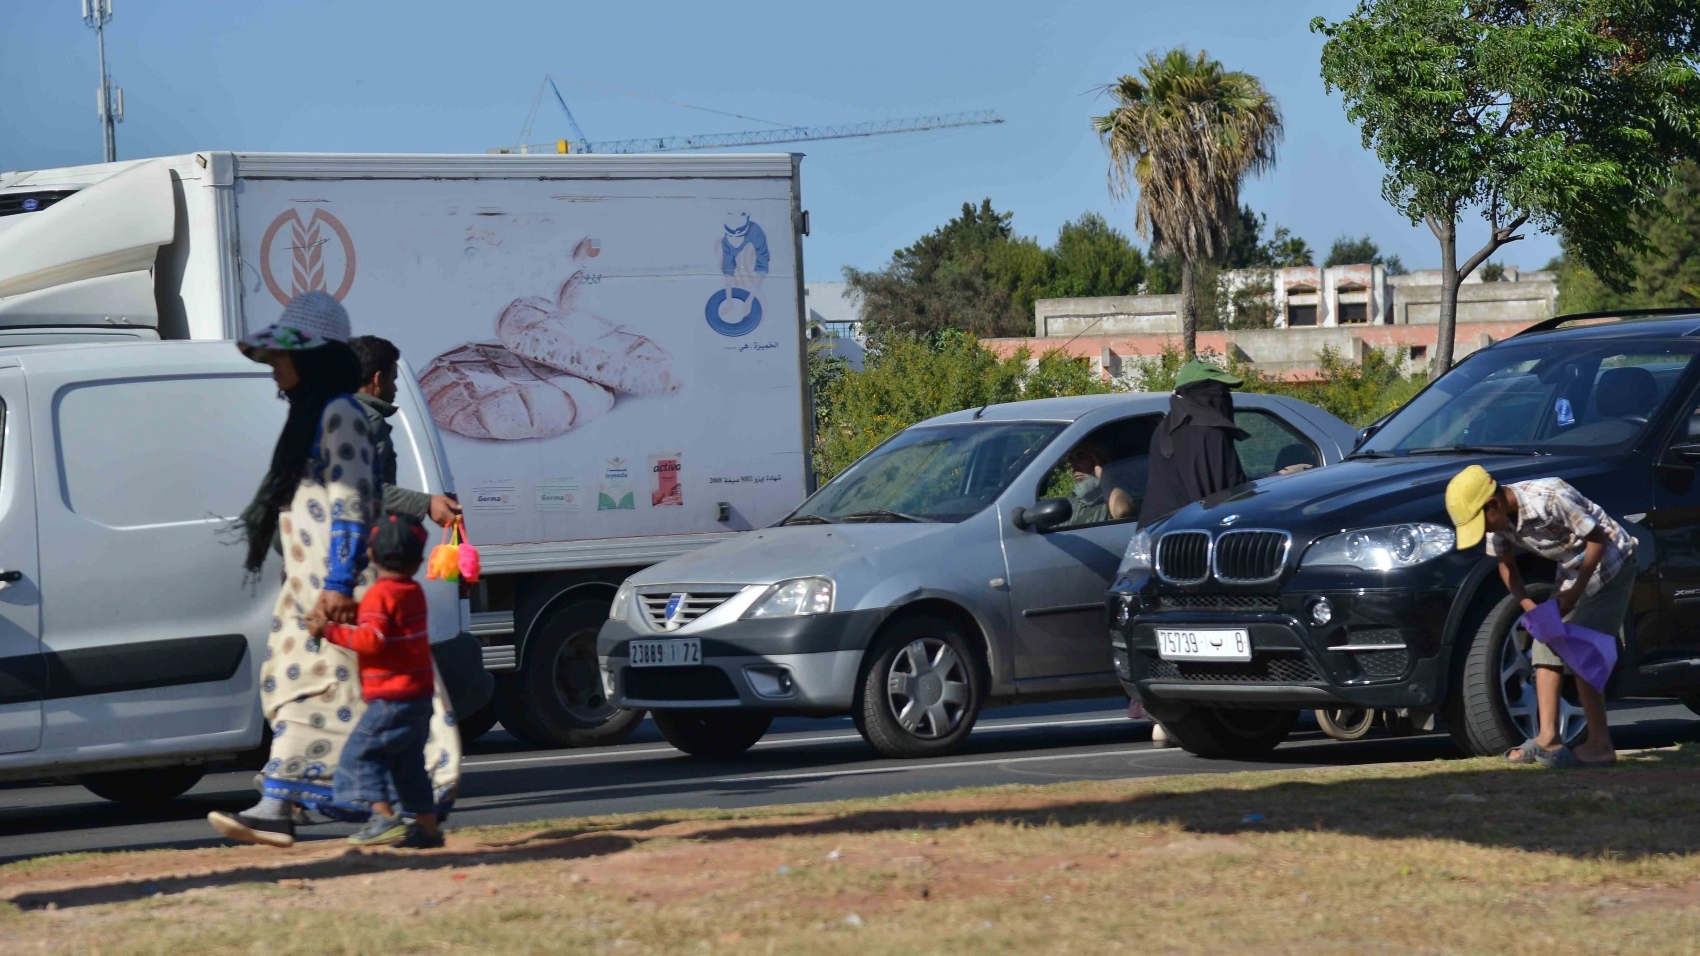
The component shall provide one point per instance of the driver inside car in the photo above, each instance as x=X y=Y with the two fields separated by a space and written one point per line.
x=1092 y=503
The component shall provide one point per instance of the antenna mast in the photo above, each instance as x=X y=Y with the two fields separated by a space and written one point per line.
x=109 y=100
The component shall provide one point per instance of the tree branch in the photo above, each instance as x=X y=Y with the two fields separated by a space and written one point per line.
x=1434 y=226
x=1501 y=235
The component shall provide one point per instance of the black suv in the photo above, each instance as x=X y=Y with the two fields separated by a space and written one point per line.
x=1340 y=588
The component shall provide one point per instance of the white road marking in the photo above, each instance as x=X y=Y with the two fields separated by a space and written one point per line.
x=776 y=742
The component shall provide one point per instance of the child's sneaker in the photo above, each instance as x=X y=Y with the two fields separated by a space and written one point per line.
x=381 y=831
x=419 y=838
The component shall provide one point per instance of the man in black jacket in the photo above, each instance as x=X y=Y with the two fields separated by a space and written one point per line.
x=378 y=358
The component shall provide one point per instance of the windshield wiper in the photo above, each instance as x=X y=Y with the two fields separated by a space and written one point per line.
x=880 y=514
x=805 y=519
x=1477 y=449
x=1369 y=454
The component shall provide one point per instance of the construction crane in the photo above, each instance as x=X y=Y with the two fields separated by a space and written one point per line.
x=759 y=137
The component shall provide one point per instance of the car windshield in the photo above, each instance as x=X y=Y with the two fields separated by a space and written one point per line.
x=930 y=473
x=1561 y=396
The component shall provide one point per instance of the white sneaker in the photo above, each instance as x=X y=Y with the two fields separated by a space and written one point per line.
x=1160 y=737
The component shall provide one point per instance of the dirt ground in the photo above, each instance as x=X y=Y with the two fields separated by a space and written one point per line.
x=1454 y=856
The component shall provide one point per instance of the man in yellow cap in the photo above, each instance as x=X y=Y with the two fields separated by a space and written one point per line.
x=1596 y=574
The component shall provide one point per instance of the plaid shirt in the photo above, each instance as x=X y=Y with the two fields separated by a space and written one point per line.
x=1553 y=519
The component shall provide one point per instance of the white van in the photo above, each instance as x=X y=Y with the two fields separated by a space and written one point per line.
x=129 y=642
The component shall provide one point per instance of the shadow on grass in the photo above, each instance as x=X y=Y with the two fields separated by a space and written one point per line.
x=1648 y=804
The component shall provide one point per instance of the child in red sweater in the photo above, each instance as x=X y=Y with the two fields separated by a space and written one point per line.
x=386 y=752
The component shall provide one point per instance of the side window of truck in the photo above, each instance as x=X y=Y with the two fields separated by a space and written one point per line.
x=160 y=451
x=1271 y=444
x=1115 y=455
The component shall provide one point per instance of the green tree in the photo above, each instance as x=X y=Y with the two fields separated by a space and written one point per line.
x=1563 y=115
x=1667 y=269
x=1091 y=258
x=905 y=380
x=1347 y=251
x=1186 y=132
x=1358 y=393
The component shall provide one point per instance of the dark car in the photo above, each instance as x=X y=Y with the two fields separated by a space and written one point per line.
x=1341 y=587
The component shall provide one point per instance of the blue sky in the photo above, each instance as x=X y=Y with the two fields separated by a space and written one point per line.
x=441 y=76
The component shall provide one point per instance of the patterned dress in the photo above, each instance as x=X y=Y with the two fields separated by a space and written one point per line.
x=309 y=687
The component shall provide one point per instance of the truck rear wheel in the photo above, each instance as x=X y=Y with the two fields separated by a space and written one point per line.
x=556 y=699
x=1492 y=708
x=715 y=734
x=922 y=688
x=1224 y=733
x=142 y=787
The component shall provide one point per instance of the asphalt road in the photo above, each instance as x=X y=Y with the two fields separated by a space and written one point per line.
x=799 y=761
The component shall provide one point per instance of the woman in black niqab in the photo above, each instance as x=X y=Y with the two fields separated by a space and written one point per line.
x=1192 y=451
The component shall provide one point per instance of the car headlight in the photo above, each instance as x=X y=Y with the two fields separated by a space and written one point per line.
x=1381 y=549
x=793 y=598
x=622 y=600
x=1137 y=558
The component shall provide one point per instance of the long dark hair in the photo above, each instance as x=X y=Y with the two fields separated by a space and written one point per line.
x=326 y=372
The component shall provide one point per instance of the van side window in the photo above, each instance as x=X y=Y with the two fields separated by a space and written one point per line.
x=1103 y=475
x=1271 y=445
x=165 y=450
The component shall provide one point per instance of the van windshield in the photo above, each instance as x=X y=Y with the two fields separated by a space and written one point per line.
x=930 y=473
x=1562 y=397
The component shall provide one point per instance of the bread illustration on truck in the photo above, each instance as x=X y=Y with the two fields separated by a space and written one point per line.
x=554 y=368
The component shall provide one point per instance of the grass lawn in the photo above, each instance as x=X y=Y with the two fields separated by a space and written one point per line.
x=1442 y=857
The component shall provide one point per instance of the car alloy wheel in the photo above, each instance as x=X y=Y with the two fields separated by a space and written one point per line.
x=927 y=688
x=1517 y=693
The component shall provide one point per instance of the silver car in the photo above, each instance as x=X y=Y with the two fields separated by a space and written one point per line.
x=962 y=563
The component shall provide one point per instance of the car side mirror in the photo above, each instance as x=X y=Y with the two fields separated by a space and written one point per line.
x=1045 y=515
x=1365 y=434
x=1688 y=451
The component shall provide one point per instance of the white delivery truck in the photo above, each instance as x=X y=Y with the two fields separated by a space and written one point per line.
x=611 y=347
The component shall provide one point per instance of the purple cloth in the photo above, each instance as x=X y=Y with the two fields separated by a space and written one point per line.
x=1589 y=653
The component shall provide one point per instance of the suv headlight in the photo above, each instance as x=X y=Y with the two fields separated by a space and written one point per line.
x=1381 y=549
x=622 y=600
x=794 y=598
x=1137 y=558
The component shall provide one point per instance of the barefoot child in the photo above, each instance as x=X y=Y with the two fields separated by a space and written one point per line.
x=1596 y=574
x=386 y=752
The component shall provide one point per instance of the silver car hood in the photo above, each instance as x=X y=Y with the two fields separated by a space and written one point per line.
x=775 y=554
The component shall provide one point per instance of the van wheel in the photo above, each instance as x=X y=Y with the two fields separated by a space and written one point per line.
x=1224 y=733
x=1346 y=723
x=716 y=734
x=556 y=698
x=922 y=688
x=477 y=723
x=142 y=787
x=1492 y=708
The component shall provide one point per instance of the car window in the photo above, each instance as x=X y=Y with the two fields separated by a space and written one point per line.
x=931 y=473
x=165 y=450
x=1577 y=397
x=1271 y=444
x=1103 y=475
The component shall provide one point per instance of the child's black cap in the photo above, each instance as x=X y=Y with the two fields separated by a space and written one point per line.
x=398 y=541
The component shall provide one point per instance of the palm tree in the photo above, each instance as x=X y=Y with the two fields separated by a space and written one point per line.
x=1187 y=132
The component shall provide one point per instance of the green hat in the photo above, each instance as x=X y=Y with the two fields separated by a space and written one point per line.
x=1199 y=370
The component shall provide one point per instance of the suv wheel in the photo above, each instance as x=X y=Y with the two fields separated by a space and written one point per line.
x=712 y=733
x=1224 y=733
x=1493 y=707
x=556 y=698
x=922 y=688
x=149 y=786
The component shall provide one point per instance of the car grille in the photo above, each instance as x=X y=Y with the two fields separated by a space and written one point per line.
x=1249 y=557
x=679 y=683
x=692 y=605
x=1256 y=603
x=1183 y=557
x=1380 y=665
x=1263 y=669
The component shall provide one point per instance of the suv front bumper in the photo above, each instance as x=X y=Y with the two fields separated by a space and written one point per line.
x=1380 y=649
x=805 y=665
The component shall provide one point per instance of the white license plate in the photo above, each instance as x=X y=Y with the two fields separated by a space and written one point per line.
x=666 y=653
x=1189 y=645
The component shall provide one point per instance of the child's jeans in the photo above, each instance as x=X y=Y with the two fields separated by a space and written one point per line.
x=388 y=745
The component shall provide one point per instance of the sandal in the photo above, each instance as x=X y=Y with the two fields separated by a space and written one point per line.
x=1527 y=752
x=1565 y=758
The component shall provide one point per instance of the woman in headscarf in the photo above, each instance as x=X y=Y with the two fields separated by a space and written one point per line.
x=315 y=505
x=1192 y=451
